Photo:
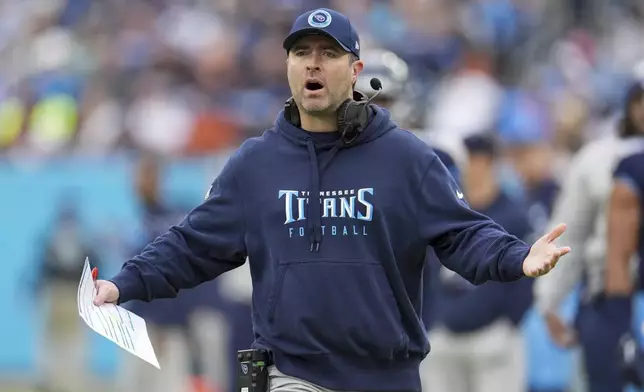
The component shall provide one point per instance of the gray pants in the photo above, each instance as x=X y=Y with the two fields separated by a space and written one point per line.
x=279 y=382
x=490 y=360
x=63 y=357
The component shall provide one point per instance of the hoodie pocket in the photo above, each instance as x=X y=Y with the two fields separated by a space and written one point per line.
x=340 y=307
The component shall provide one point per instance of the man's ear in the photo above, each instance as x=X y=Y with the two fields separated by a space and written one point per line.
x=357 y=67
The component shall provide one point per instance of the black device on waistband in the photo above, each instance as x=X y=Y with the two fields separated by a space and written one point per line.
x=252 y=370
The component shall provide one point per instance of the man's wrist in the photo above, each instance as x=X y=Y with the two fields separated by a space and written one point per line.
x=127 y=290
x=524 y=256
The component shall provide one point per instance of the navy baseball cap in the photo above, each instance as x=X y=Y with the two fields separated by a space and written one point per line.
x=326 y=22
x=484 y=144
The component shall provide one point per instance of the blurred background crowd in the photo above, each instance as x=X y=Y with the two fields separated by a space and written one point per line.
x=116 y=115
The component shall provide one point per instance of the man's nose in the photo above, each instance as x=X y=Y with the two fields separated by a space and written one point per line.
x=312 y=67
x=313 y=63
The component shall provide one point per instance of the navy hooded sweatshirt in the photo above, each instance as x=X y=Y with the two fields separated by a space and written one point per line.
x=336 y=236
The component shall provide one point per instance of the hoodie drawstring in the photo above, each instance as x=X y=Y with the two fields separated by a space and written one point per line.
x=313 y=218
x=314 y=208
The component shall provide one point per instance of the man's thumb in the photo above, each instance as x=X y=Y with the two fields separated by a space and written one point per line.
x=100 y=295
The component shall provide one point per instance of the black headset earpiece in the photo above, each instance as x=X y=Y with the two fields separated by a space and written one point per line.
x=353 y=116
x=291 y=112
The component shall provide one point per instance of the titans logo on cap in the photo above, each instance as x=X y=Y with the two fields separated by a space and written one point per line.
x=319 y=19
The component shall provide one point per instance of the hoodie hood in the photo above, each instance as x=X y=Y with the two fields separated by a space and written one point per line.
x=322 y=153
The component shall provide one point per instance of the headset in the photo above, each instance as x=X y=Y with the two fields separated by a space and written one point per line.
x=353 y=114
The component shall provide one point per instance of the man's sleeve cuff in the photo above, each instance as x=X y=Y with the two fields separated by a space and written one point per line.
x=130 y=288
x=514 y=268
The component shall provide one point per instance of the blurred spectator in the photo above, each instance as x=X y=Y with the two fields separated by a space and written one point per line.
x=467 y=101
x=526 y=132
x=167 y=131
x=65 y=248
x=168 y=321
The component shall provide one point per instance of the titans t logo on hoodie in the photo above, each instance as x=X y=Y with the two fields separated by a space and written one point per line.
x=336 y=236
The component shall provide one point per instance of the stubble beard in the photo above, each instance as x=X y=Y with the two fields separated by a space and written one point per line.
x=316 y=107
x=325 y=106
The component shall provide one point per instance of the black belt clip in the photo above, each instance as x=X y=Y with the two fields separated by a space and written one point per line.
x=252 y=372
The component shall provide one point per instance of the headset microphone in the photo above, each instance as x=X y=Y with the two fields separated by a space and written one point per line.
x=376 y=85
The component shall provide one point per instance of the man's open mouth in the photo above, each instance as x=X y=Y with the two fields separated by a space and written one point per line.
x=314 y=85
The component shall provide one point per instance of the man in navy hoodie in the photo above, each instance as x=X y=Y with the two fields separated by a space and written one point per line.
x=335 y=208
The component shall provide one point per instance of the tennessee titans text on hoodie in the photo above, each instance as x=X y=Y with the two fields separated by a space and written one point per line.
x=336 y=236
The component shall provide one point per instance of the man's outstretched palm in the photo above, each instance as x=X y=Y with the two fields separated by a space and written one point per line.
x=545 y=254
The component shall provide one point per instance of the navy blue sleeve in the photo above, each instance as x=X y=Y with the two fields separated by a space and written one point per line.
x=631 y=171
x=465 y=241
x=449 y=163
x=475 y=309
x=208 y=242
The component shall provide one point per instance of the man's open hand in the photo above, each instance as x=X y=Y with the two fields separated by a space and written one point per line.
x=544 y=254
x=106 y=293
